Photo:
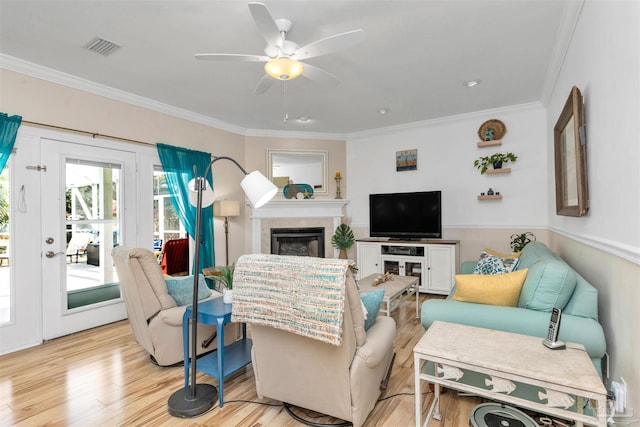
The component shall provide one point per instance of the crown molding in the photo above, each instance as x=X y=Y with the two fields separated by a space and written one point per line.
x=28 y=68
x=444 y=120
x=264 y=133
x=34 y=70
x=570 y=17
x=48 y=74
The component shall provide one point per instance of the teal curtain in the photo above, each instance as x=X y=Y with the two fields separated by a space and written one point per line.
x=8 y=131
x=178 y=165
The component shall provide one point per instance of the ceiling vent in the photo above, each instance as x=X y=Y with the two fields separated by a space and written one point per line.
x=102 y=46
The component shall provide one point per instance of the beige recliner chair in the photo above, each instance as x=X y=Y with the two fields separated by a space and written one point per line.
x=342 y=381
x=155 y=318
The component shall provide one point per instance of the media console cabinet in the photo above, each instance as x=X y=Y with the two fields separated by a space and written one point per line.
x=435 y=262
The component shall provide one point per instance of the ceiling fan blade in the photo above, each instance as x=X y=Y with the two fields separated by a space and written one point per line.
x=319 y=76
x=263 y=85
x=265 y=23
x=330 y=44
x=231 y=57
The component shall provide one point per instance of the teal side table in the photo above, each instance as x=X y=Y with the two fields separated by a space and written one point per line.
x=223 y=361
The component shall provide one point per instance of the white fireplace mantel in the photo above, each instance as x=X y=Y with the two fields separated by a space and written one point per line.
x=294 y=208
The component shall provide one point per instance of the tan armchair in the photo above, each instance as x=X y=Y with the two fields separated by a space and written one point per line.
x=155 y=318
x=343 y=380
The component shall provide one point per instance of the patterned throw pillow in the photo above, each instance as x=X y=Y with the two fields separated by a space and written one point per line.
x=510 y=261
x=489 y=264
x=371 y=301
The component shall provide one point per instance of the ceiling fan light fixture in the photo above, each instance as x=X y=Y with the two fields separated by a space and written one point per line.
x=283 y=68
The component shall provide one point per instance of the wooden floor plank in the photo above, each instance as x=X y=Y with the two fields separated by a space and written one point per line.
x=102 y=377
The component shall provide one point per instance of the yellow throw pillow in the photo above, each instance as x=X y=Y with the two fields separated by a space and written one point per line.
x=501 y=255
x=497 y=289
x=510 y=261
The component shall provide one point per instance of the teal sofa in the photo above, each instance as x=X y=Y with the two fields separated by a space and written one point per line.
x=550 y=282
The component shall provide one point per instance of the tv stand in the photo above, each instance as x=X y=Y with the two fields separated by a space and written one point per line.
x=434 y=261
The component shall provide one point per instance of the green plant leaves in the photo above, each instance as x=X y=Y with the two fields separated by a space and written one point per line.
x=483 y=162
x=343 y=238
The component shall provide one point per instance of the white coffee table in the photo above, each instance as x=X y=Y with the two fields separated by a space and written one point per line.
x=393 y=289
x=511 y=361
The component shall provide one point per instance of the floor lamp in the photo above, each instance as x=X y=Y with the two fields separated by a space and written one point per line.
x=226 y=209
x=196 y=399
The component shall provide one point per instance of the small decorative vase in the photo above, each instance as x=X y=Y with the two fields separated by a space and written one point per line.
x=227 y=296
x=490 y=192
x=342 y=254
x=497 y=165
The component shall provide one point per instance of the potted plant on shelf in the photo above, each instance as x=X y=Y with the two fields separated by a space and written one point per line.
x=225 y=276
x=519 y=241
x=496 y=160
x=343 y=239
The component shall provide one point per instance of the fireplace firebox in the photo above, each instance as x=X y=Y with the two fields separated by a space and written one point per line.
x=308 y=241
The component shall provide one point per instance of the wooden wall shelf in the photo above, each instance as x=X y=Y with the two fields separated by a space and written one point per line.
x=493 y=197
x=502 y=170
x=493 y=143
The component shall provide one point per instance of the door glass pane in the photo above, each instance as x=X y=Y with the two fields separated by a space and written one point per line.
x=5 y=271
x=92 y=230
x=414 y=269
x=392 y=267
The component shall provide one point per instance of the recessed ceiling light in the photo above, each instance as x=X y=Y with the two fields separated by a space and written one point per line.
x=472 y=83
x=384 y=111
x=303 y=119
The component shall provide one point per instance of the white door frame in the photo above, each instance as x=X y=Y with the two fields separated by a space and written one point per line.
x=25 y=326
x=57 y=319
x=27 y=274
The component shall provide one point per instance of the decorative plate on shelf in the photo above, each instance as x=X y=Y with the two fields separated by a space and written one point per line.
x=491 y=130
x=297 y=191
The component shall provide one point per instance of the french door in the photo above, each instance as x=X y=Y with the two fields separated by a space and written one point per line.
x=84 y=193
x=71 y=202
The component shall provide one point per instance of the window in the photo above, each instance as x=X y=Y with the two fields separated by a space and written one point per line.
x=5 y=271
x=166 y=224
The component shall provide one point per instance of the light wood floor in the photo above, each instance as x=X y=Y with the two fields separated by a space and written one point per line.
x=102 y=377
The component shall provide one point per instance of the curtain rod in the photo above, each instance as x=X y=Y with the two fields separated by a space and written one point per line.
x=93 y=134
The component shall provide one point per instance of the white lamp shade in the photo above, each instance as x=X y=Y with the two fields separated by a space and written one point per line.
x=258 y=188
x=226 y=208
x=207 y=194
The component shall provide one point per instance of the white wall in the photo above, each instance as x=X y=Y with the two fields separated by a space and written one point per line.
x=447 y=149
x=604 y=246
x=603 y=61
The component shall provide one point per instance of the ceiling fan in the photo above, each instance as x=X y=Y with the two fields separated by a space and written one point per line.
x=283 y=57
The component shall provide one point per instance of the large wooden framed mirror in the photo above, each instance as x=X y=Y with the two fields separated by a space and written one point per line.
x=299 y=167
x=570 y=150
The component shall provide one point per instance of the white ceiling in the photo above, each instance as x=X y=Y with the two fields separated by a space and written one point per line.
x=414 y=61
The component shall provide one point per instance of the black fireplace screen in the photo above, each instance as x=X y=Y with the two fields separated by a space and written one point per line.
x=298 y=241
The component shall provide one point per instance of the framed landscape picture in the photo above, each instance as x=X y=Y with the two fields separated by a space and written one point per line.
x=406 y=160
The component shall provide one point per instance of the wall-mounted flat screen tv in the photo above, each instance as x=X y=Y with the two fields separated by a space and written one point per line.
x=415 y=215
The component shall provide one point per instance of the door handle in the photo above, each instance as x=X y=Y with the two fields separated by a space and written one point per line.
x=51 y=254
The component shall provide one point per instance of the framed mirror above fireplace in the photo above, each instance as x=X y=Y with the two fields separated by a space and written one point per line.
x=299 y=167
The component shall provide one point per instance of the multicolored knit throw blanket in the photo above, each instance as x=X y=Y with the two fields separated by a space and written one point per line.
x=301 y=295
